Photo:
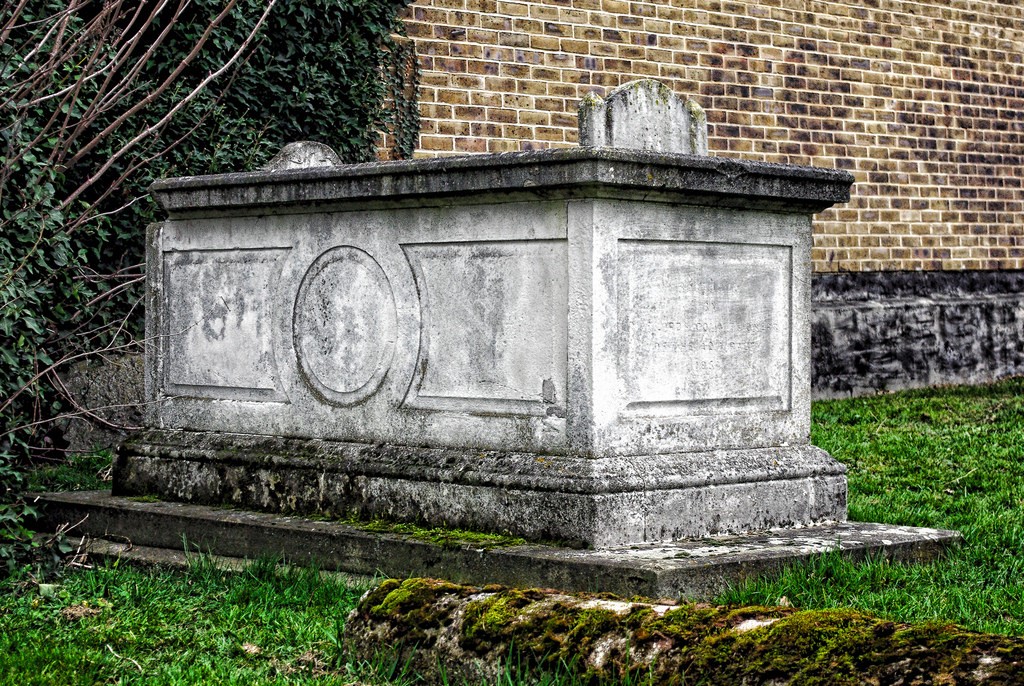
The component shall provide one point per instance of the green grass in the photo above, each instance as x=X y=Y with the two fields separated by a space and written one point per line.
x=948 y=458
x=84 y=472
x=268 y=624
x=123 y=625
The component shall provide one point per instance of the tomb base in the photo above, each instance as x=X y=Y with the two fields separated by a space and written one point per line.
x=582 y=502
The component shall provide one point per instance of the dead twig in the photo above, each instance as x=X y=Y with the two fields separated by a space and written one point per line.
x=121 y=657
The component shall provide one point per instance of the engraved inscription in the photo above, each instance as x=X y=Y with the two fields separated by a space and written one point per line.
x=704 y=328
x=345 y=325
x=493 y=336
x=218 y=314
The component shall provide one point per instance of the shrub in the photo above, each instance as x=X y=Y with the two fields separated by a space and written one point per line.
x=100 y=98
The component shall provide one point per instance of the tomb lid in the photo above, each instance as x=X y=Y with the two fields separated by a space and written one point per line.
x=570 y=172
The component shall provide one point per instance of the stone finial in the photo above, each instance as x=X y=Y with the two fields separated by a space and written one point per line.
x=643 y=115
x=303 y=155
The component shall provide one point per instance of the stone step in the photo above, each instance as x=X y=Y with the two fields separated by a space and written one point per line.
x=91 y=551
x=697 y=568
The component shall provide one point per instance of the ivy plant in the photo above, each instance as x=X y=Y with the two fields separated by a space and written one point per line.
x=99 y=98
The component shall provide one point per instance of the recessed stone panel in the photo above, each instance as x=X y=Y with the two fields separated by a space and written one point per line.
x=218 y=320
x=493 y=336
x=704 y=328
x=345 y=325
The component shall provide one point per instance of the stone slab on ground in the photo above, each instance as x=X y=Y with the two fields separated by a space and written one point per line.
x=101 y=550
x=693 y=568
x=124 y=551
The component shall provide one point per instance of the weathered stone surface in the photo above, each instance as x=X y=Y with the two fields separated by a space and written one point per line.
x=481 y=342
x=636 y=321
x=448 y=633
x=894 y=330
x=871 y=332
x=723 y=182
x=693 y=568
x=593 y=502
x=124 y=552
x=643 y=115
x=303 y=155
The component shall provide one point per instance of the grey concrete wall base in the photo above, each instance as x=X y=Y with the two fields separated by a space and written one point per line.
x=887 y=331
x=696 y=568
x=589 y=502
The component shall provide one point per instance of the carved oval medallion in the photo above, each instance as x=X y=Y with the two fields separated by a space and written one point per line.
x=345 y=326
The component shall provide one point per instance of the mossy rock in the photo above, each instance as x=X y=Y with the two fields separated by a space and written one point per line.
x=414 y=608
x=469 y=633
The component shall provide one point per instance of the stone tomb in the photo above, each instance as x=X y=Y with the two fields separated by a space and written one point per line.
x=600 y=346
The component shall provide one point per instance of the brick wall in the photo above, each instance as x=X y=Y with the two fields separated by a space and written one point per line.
x=922 y=101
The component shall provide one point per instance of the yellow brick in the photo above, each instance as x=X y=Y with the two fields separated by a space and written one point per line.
x=515 y=9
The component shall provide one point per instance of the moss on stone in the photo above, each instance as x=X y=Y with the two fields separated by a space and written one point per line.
x=838 y=647
x=591 y=624
x=603 y=642
x=374 y=598
x=488 y=619
x=446 y=538
x=441 y=536
x=409 y=596
x=412 y=605
x=545 y=634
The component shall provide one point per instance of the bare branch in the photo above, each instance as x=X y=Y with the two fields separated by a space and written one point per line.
x=94 y=276
x=114 y=94
x=5 y=30
x=162 y=88
x=61 y=24
x=175 y=109
x=106 y=294
x=82 y=411
x=64 y=360
x=105 y=97
x=139 y=163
